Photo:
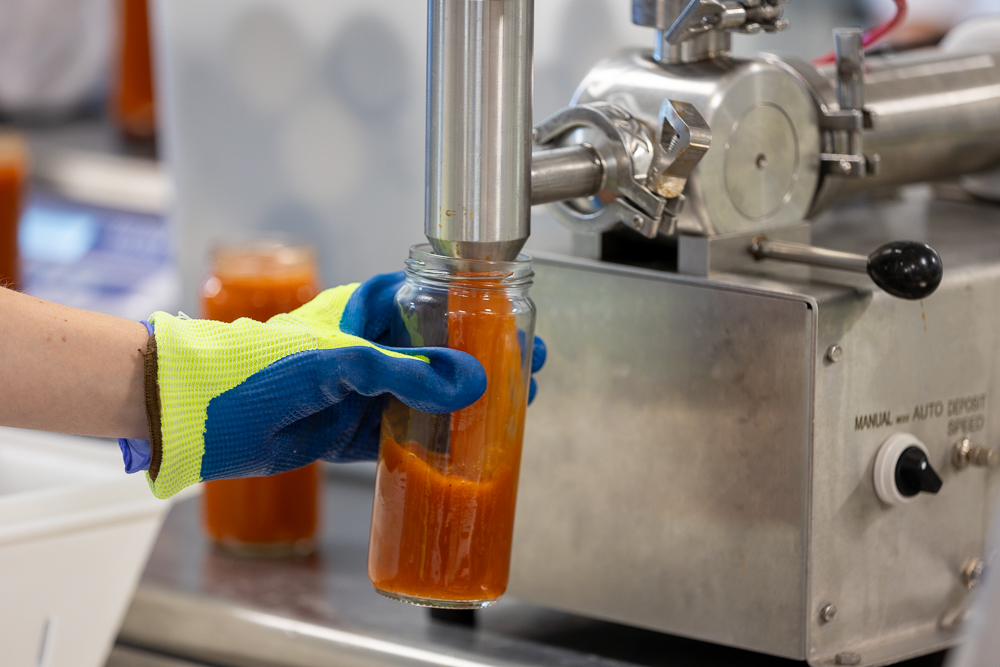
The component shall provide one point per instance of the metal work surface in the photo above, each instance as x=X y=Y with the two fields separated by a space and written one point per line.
x=199 y=606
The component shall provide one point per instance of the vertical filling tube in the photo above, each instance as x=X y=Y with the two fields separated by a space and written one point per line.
x=479 y=84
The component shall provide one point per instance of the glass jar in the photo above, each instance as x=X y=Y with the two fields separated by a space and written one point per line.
x=272 y=516
x=14 y=170
x=446 y=485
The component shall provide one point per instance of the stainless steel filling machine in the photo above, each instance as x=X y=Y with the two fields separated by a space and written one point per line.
x=768 y=417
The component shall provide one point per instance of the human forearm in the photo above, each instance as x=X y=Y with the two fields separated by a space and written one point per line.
x=69 y=370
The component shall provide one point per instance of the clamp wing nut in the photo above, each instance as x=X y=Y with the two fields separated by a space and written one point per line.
x=685 y=137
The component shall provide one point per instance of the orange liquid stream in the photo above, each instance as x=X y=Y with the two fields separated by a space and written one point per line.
x=442 y=523
x=281 y=508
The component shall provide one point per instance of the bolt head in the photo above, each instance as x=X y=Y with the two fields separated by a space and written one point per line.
x=960 y=454
x=827 y=613
x=834 y=353
x=972 y=573
x=637 y=222
x=985 y=457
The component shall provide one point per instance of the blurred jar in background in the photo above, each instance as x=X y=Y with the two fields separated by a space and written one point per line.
x=132 y=100
x=274 y=516
x=14 y=167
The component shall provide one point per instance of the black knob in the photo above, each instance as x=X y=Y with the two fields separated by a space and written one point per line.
x=915 y=474
x=907 y=269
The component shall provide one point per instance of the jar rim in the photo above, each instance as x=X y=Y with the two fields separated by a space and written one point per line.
x=424 y=263
x=259 y=256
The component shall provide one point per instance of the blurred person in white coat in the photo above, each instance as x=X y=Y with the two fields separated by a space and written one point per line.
x=53 y=56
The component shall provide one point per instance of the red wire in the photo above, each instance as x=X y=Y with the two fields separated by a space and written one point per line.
x=873 y=35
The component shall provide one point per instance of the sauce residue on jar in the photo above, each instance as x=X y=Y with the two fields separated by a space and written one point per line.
x=442 y=521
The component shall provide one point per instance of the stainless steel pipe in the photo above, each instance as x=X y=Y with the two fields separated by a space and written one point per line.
x=937 y=116
x=479 y=75
x=558 y=174
x=800 y=253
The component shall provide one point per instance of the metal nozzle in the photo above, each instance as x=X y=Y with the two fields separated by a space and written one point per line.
x=479 y=127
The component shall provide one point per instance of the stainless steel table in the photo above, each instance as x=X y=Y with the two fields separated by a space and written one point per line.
x=198 y=607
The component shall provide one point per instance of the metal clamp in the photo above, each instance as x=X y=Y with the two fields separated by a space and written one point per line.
x=844 y=151
x=631 y=159
x=684 y=139
x=749 y=16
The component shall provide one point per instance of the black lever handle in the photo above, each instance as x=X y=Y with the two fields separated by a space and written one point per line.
x=904 y=269
x=907 y=269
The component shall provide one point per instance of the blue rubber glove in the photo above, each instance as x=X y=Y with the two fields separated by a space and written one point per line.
x=310 y=404
x=538 y=354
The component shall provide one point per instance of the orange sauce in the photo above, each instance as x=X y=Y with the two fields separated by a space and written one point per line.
x=442 y=521
x=132 y=96
x=275 y=515
x=13 y=176
x=260 y=297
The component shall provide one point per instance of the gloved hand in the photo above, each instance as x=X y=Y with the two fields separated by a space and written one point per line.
x=252 y=399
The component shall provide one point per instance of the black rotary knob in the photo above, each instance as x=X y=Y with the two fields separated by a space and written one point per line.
x=906 y=269
x=914 y=473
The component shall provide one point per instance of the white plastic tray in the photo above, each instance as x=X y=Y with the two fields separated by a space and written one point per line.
x=75 y=533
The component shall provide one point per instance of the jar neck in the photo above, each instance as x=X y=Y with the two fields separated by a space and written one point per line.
x=426 y=267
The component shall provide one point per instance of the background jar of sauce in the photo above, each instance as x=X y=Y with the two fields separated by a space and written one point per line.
x=133 y=101
x=272 y=516
x=14 y=167
x=446 y=485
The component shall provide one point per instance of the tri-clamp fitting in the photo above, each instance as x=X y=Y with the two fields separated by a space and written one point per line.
x=691 y=30
x=750 y=17
x=843 y=151
x=601 y=166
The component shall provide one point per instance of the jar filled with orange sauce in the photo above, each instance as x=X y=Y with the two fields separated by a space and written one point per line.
x=274 y=516
x=14 y=168
x=133 y=101
x=445 y=488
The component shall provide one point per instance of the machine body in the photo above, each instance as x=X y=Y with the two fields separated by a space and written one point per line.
x=702 y=459
x=780 y=437
x=705 y=458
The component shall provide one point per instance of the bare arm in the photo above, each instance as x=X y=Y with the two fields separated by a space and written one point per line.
x=69 y=370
